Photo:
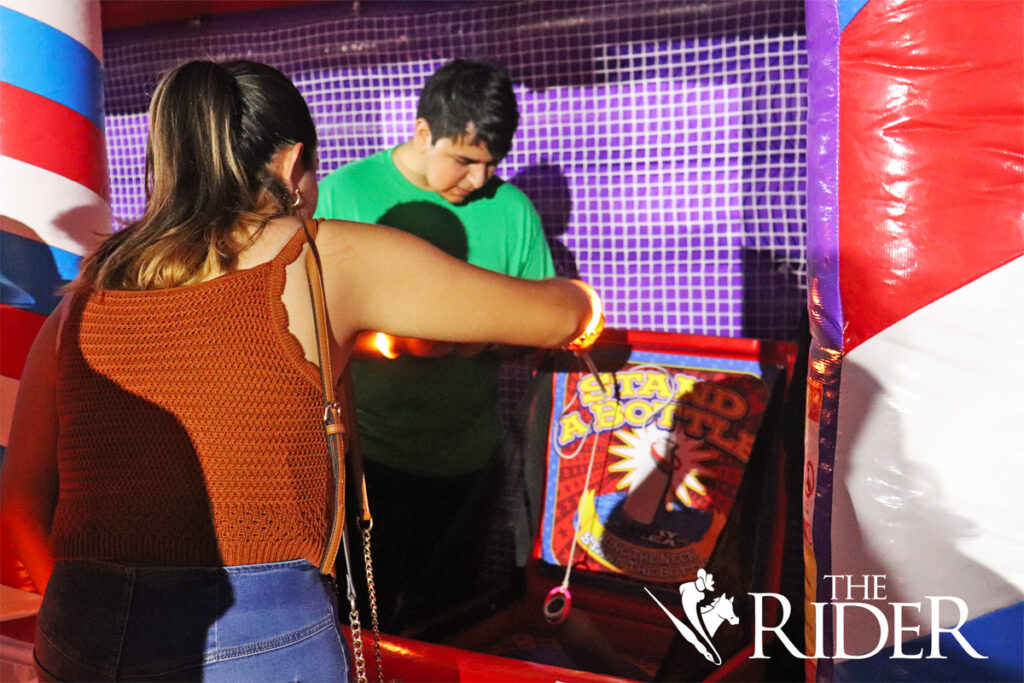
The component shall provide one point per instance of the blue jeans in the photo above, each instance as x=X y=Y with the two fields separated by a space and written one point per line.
x=266 y=622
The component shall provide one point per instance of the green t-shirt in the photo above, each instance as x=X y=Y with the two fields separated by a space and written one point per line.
x=435 y=416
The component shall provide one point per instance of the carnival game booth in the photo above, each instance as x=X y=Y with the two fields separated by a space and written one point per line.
x=655 y=486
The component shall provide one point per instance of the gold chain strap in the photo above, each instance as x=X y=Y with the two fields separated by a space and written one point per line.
x=372 y=591
x=357 y=643
x=353 y=617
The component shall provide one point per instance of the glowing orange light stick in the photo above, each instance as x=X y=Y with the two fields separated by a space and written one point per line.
x=591 y=332
x=385 y=343
x=594 y=326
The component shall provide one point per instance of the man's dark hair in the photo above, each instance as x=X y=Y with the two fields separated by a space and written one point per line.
x=469 y=91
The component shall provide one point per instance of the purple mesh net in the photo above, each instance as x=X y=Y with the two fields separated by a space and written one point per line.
x=662 y=142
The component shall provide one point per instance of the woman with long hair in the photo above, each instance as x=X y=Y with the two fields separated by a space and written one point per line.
x=166 y=480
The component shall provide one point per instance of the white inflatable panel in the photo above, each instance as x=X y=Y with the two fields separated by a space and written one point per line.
x=933 y=437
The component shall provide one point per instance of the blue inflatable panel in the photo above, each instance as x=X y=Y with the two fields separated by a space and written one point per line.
x=61 y=54
x=32 y=272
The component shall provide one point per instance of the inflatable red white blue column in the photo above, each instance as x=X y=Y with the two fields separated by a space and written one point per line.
x=53 y=170
x=914 y=548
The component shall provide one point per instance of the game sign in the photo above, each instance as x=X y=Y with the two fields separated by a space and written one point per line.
x=669 y=436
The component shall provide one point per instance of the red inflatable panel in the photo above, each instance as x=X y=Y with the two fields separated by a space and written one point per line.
x=20 y=330
x=931 y=156
x=52 y=137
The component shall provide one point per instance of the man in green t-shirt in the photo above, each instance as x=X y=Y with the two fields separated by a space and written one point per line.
x=429 y=421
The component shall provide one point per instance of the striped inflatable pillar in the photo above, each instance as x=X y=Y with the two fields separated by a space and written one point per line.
x=53 y=175
x=913 y=503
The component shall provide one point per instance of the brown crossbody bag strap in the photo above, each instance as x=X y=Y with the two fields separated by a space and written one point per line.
x=335 y=416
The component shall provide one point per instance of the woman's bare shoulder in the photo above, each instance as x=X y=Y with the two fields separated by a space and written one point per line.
x=339 y=230
x=340 y=240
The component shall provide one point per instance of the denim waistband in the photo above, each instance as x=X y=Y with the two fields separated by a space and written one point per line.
x=122 y=621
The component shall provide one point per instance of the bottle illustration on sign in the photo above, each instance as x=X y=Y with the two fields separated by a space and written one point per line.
x=659 y=464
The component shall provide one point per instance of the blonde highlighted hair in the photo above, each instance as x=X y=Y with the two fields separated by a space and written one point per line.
x=214 y=127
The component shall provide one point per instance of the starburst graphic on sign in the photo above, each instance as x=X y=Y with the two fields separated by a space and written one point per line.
x=648 y=448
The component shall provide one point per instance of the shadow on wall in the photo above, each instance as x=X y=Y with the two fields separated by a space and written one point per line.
x=548 y=189
x=771 y=292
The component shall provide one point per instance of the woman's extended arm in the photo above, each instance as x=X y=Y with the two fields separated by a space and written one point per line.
x=383 y=279
x=28 y=484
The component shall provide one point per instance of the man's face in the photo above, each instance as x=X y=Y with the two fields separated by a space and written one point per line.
x=455 y=168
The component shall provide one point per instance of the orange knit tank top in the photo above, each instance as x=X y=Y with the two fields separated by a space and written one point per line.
x=190 y=426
